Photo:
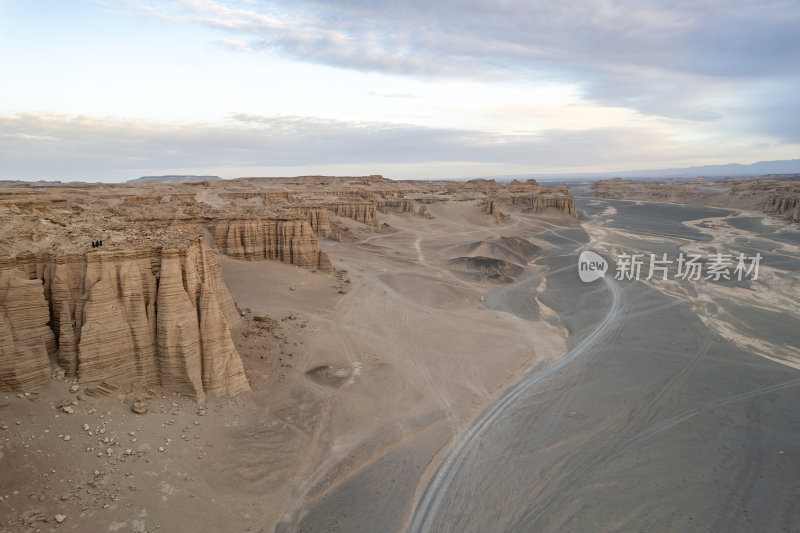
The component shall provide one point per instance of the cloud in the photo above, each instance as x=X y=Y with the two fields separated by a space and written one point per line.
x=682 y=59
x=56 y=146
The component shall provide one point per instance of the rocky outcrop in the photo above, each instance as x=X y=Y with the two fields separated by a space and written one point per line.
x=287 y=240
x=397 y=205
x=787 y=205
x=223 y=373
x=360 y=212
x=563 y=202
x=152 y=316
x=25 y=339
x=493 y=207
x=320 y=222
x=424 y=213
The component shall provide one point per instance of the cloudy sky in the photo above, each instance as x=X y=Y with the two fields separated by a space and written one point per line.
x=115 y=89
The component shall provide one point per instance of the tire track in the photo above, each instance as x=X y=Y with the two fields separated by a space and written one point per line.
x=428 y=506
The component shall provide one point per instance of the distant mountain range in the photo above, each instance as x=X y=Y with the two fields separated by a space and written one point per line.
x=175 y=179
x=734 y=170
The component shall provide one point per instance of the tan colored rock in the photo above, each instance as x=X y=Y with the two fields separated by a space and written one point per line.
x=287 y=240
x=178 y=333
x=360 y=212
x=140 y=316
x=563 y=202
x=399 y=205
x=222 y=370
x=24 y=334
x=320 y=222
x=105 y=349
x=115 y=321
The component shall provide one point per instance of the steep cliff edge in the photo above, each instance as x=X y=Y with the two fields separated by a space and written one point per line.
x=399 y=205
x=288 y=240
x=152 y=316
x=784 y=205
x=25 y=338
x=563 y=202
x=366 y=213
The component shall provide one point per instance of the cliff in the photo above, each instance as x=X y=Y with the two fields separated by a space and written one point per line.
x=288 y=240
x=563 y=202
x=398 y=205
x=151 y=315
x=25 y=339
x=787 y=205
x=320 y=222
x=360 y=212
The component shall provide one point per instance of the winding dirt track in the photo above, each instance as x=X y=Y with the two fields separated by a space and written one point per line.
x=432 y=497
x=651 y=421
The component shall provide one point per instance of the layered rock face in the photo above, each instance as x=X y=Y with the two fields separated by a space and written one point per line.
x=398 y=205
x=153 y=316
x=527 y=195
x=784 y=205
x=563 y=202
x=360 y=212
x=25 y=339
x=320 y=222
x=288 y=240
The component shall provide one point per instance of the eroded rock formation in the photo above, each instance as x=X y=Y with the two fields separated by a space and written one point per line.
x=288 y=240
x=361 y=212
x=563 y=202
x=787 y=205
x=25 y=338
x=400 y=205
x=151 y=315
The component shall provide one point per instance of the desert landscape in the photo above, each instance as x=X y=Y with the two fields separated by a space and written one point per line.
x=363 y=354
x=318 y=326
x=309 y=266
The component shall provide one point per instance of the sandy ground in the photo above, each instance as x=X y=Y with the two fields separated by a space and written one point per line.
x=360 y=380
x=658 y=418
x=448 y=379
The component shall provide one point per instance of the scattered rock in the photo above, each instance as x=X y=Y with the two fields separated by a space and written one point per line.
x=139 y=407
x=60 y=518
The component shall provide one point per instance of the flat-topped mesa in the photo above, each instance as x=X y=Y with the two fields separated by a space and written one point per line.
x=399 y=205
x=150 y=315
x=563 y=202
x=290 y=240
x=531 y=196
x=363 y=212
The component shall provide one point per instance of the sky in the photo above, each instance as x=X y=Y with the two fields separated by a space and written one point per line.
x=109 y=90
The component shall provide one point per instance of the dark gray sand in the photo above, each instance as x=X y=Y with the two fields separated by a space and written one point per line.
x=651 y=422
x=658 y=424
x=664 y=219
x=753 y=224
x=661 y=426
